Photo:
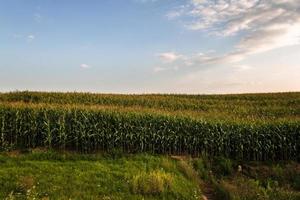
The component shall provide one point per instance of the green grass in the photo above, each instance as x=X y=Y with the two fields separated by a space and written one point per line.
x=43 y=174
x=73 y=176
x=120 y=146
x=238 y=180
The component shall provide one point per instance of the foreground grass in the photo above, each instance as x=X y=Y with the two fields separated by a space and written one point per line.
x=43 y=174
x=51 y=175
x=238 y=180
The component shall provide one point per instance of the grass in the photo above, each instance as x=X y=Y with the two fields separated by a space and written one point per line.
x=44 y=174
x=238 y=180
x=104 y=146
x=53 y=175
x=154 y=182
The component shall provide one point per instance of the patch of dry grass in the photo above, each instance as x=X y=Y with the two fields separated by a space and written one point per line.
x=154 y=182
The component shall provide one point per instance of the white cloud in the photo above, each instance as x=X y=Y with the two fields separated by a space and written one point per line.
x=159 y=69
x=169 y=57
x=85 y=66
x=225 y=79
x=173 y=14
x=30 y=38
x=242 y=67
x=165 y=68
x=262 y=25
x=200 y=59
x=176 y=12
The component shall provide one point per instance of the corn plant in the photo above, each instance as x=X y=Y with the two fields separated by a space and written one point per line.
x=167 y=124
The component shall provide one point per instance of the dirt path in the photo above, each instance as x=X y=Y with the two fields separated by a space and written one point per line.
x=205 y=187
x=208 y=192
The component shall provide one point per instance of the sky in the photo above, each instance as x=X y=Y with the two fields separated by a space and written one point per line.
x=150 y=46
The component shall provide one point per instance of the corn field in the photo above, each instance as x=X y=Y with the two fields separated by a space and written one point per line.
x=246 y=127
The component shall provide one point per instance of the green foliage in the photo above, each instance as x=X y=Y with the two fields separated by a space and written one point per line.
x=222 y=166
x=296 y=182
x=266 y=106
x=115 y=153
x=55 y=175
x=245 y=127
x=248 y=189
x=151 y=183
x=222 y=193
x=188 y=170
x=43 y=174
x=201 y=167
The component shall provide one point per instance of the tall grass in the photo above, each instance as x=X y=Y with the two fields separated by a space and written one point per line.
x=246 y=106
x=88 y=130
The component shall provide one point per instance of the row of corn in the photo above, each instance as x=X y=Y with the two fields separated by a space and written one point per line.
x=90 y=131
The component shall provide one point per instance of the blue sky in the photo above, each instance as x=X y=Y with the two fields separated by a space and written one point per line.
x=150 y=46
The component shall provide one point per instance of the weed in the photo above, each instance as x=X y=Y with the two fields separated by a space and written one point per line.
x=152 y=183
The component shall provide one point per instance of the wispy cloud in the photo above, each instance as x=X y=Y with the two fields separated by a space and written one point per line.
x=85 y=66
x=169 y=57
x=165 y=68
x=159 y=69
x=37 y=17
x=201 y=59
x=30 y=38
x=177 y=12
x=242 y=67
x=17 y=36
x=262 y=25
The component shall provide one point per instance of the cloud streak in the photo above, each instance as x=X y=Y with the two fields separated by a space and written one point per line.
x=169 y=57
x=262 y=25
x=85 y=66
x=30 y=38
